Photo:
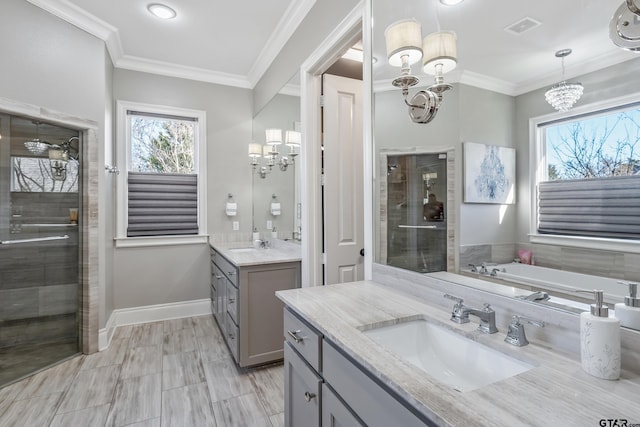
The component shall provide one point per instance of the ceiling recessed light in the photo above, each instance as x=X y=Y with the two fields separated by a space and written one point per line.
x=161 y=11
x=450 y=2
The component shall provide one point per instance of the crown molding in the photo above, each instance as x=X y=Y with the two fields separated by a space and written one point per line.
x=80 y=18
x=290 y=89
x=285 y=28
x=485 y=82
x=174 y=70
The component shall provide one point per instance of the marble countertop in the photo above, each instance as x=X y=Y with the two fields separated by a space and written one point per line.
x=244 y=254
x=555 y=392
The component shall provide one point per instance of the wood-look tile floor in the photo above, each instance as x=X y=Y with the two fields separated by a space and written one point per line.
x=171 y=373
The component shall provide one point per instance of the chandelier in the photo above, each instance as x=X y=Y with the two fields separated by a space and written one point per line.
x=563 y=95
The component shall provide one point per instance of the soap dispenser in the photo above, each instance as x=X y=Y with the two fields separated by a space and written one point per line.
x=600 y=341
x=629 y=311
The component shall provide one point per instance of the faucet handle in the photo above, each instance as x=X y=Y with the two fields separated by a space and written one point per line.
x=458 y=313
x=458 y=300
x=487 y=308
x=515 y=333
x=474 y=268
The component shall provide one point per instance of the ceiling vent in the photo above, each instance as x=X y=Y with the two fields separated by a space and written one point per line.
x=522 y=26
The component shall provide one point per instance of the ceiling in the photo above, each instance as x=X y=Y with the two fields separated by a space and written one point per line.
x=209 y=40
x=490 y=57
x=228 y=43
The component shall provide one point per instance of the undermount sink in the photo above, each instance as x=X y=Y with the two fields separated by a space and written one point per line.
x=447 y=356
x=242 y=250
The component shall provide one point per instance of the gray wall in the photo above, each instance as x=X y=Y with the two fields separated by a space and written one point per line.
x=146 y=276
x=281 y=113
x=324 y=16
x=467 y=114
x=52 y=64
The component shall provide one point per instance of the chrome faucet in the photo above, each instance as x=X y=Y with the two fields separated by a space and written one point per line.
x=484 y=265
x=515 y=334
x=537 y=296
x=460 y=314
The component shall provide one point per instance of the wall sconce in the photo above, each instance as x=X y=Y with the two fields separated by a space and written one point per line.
x=439 y=54
x=269 y=151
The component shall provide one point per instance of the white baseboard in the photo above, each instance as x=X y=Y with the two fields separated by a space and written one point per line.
x=151 y=313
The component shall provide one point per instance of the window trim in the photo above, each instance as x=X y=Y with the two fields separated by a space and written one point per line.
x=123 y=156
x=536 y=174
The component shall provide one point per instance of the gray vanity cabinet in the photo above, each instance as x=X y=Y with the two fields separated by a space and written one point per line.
x=348 y=394
x=302 y=391
x=246 y=309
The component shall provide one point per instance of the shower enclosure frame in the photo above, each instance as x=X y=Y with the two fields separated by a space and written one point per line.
x=90 y=239
x=381 y=255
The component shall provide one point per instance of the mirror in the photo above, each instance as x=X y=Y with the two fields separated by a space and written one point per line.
x=505 y=63
x=276 y=195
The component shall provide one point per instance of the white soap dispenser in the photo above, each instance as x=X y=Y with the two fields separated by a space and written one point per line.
x=600 y=341
x=629 y=311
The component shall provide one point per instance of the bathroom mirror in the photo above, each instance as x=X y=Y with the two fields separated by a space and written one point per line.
x=505 y=64
x=276 y=194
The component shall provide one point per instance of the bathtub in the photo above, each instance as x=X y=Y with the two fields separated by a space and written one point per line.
x=560 y=281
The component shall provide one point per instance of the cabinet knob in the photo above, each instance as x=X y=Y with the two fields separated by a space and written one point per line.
x=294 y=335
x=231 y=336
x=231 y=273
x=231 y=300
x=308 y=396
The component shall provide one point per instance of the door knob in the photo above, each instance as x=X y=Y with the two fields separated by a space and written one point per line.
x=362 y=252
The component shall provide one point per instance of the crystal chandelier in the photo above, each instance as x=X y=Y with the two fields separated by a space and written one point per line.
x=35 y=146
x=563 y=95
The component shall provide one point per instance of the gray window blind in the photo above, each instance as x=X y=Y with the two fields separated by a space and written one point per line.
x=162 y=204
x=600 y=207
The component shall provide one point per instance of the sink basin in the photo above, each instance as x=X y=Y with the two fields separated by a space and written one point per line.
x=242 y=250
x=447 y=356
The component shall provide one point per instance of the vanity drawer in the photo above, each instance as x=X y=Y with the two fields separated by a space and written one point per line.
x=231 y=336
x=232 y=301
x=304 y=338
x=366 y=397
x=228 y=269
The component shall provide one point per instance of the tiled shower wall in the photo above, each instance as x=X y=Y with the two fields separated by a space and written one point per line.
x=617 y=265
x=39 y=282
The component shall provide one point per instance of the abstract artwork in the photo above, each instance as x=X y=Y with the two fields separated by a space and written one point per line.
x=489 y=173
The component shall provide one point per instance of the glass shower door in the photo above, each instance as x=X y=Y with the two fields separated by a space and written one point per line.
x=417 y=212
x=39 y=246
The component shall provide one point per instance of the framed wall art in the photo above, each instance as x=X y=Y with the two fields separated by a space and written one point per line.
x=489 y=173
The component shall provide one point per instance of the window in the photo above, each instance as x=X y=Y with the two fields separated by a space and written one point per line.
x=34 y=175
x=161 y=195
x=588 y=176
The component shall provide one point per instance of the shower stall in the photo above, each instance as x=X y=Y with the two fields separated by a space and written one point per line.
x=416 y=212
x=40 y=255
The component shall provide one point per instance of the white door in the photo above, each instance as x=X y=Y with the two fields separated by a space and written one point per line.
x=343 y=160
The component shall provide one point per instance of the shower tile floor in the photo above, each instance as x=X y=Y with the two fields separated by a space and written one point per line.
x=19 y=360
x=172 y=373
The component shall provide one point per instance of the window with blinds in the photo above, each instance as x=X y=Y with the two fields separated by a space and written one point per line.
x=162 y=204
x=162 y=181
x=592 y=182
x=599 y=207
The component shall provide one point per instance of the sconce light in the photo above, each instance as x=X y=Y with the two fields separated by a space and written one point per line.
x=439 y=55
x=269 y=151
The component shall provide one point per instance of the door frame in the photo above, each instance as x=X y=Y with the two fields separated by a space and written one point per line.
x=356 y=24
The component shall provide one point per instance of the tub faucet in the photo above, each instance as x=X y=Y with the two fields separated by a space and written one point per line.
x=537 y=296
x=483 y=267
x=460 y=314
